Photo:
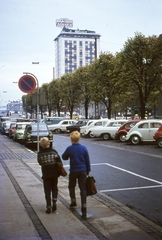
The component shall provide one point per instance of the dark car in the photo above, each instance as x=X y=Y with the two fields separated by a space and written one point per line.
x=122 y=131
x=76 y=126
x=158 y=136
x=31 y=134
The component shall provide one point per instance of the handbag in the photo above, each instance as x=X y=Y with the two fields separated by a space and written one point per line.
x=61 y=170
x=90 y=186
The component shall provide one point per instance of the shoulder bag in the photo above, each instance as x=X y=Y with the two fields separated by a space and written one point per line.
x=61 y=170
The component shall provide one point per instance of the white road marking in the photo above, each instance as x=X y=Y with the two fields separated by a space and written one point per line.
x=132 y=173
x=133 y=188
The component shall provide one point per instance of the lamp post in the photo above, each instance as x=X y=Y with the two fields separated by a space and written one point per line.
x=37 y=109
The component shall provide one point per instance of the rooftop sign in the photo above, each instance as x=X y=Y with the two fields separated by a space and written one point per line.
x=64 y=22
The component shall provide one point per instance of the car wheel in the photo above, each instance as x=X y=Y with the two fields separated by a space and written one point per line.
x=135 y=140
x=57 y=130
x=106 y=136
x=15 y=139
x=159 y=142
x=122 y=137
x=91 y=135
x=26 y=145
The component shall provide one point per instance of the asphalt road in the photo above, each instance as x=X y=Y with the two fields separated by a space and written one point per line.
x=130 y=174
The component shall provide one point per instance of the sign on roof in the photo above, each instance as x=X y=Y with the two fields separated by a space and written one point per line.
x=64 y=22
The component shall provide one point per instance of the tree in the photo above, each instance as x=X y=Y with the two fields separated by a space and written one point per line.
x=141 y=66
x=71 y=92
x=104 y=73
x=82 y=75
x=55 y=96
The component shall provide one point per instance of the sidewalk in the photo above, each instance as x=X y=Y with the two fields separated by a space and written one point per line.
x=22 y=206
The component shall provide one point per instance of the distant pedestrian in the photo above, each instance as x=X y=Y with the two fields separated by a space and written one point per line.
x=47 y=158
x=79 y=169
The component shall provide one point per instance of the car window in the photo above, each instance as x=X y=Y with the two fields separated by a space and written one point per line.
x=143 y=125
x=110 y=124
x=155 y=125
x=98 y=124
x=104 y=123
x=65 y=122
x=132 y=124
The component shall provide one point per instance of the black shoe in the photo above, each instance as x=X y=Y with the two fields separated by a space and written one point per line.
x=84 y=213
x=54 y=208
x=48 y=211
x=73 y=204
x=84 y=216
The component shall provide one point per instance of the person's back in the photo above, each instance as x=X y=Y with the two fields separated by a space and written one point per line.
x=79 y=169
x=47 y=158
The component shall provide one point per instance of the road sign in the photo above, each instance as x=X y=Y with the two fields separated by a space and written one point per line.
x=27 y=84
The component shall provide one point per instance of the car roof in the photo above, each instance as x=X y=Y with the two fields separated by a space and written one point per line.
x=149 y=120
x=19 y=123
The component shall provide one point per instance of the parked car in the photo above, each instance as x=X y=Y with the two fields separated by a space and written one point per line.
x=5 y=127
x=108 y=131
x=143 y=131
x=82 y=129
x=158 y=136
x=76 y=126
x=31 y=133
x=12 y=129
x=53 y=120
x=61 y=126
x=18 y=134
x=95 y=123
x=3 y=119
x=122 y=131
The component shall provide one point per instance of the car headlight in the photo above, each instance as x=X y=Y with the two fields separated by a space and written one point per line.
x=28 y=136
x=50 y=135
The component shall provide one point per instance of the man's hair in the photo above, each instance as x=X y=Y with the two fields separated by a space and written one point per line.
x=44 y=142
x=75 y=137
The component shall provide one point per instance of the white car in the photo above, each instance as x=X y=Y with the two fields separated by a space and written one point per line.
x=108 y=131
x=83 y=128
x=95 y=123
x=143 y=131
x=19 y=132
x=61 y=126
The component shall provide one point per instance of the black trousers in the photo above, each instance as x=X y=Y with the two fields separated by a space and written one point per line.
x=50 y=190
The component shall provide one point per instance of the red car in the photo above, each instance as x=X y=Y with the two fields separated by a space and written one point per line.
x=158 y=136
x=12 y=129
x=122 y=131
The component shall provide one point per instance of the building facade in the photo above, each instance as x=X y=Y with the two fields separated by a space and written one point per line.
x=75 y=48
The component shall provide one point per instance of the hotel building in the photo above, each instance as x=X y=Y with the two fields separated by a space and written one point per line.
x=75 y=48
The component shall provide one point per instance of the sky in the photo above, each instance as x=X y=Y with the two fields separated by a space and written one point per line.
x=28 y=29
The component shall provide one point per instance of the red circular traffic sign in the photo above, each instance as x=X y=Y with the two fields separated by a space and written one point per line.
x=27 y=84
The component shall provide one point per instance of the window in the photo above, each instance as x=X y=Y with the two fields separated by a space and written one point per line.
x=143 y=125
x=155 y=125
x=66 y=122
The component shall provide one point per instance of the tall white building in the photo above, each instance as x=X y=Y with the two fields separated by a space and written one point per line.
x=75 y=48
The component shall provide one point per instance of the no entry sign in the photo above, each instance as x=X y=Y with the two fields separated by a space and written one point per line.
x=27 y=84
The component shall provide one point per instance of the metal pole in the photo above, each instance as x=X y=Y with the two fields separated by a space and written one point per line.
x=37 y=108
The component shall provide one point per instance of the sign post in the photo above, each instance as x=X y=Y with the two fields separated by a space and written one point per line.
x=27 y=84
